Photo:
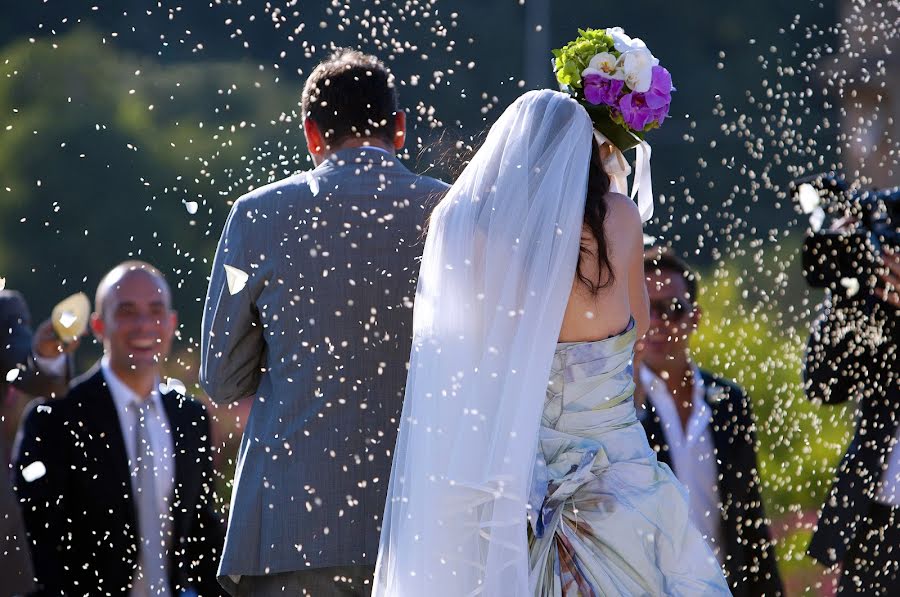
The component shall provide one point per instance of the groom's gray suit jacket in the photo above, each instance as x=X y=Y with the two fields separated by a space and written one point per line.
x=320 y=335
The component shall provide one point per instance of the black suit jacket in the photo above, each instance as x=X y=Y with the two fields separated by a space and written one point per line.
x=80 y=515
x=15 y=352
x=853 y=354
x=749 y=553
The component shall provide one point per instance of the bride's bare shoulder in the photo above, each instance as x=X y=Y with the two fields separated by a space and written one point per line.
x=622 y=212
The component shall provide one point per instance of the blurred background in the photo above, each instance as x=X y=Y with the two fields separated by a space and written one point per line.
x=127 y=129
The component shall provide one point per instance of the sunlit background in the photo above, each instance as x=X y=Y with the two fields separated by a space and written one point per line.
x=127 y=129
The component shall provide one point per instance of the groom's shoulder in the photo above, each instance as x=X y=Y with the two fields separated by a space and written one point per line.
x=296 y=186
x=431 y=185
x=422 y=193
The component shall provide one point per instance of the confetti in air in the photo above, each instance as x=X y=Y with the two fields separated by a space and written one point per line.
x=851 y=285
x=34 y=471
x=114 y=117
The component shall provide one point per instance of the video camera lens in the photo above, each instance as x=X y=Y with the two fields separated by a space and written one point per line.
x=848 y=257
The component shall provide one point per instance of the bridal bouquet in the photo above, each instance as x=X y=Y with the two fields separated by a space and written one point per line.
x=618 y=81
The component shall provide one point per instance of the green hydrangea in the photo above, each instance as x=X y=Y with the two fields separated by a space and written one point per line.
x=575 y=55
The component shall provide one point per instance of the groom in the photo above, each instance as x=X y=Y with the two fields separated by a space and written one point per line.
x=309 y=311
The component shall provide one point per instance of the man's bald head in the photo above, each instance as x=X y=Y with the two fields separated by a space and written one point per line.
x=133 y=317
x=129 y=268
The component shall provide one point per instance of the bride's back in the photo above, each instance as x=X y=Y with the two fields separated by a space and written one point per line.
x=605 y=310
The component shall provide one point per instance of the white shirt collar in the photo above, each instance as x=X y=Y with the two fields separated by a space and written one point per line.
x=662 y=399
x=123 y=396
x=341 y=154
x=653 y=383
x=376 y=148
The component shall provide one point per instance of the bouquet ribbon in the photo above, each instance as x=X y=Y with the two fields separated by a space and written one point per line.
x=618 y=169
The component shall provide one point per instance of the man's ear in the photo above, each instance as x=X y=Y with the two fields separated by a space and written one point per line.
x=399 y=129
x=98 y=326
x=315 y=143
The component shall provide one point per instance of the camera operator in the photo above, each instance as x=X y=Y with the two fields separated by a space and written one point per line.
x=852 y=354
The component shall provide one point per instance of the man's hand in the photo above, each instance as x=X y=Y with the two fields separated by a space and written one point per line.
x=45 y=343
x=891 y=278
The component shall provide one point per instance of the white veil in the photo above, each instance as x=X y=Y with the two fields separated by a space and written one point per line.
x=498 y=267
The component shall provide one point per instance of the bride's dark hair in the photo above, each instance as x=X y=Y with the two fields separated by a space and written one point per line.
x=594 y=216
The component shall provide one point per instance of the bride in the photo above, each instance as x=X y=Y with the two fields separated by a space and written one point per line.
x=504 y=484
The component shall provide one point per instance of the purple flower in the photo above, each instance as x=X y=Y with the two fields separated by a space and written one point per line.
x=661 y=82
x=659 y=96
x=641 y=109
x=635 y=111
x=602 y=90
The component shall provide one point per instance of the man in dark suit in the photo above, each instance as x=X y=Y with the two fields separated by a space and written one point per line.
x=116 y=479
x=702 y=427
x=42 y=370
x=852 y=354
x=309 y=310
x=40 y=357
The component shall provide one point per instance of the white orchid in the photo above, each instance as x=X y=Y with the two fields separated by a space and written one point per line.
x=637 y=66
x=605 y=64
x=622 y=42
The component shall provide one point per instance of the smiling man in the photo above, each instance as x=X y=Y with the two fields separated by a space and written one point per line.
x=115 y=480
x=702 y=427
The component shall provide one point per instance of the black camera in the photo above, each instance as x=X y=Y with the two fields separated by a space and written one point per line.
x=847 y=260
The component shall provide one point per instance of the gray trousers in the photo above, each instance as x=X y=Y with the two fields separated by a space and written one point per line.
x=340 y=581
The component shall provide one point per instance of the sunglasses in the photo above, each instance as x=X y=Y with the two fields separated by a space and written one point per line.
x=673 y=309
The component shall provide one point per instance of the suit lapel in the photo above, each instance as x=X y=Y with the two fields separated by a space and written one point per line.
x=717 y=398
x=186 y=467
x=106 y=426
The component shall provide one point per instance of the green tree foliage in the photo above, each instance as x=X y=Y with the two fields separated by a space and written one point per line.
x=800 y=443
x=102 y=151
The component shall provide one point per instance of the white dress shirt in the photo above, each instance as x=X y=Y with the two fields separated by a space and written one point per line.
x=889 y=489
x=161 y=444
x=692 y=453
